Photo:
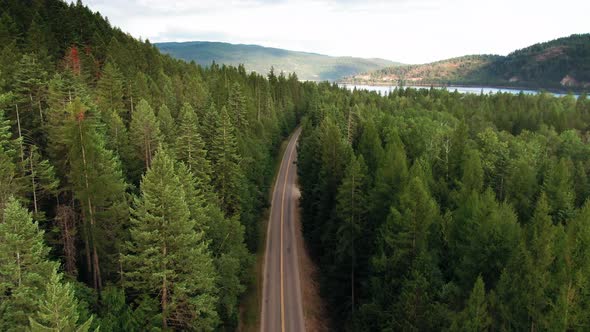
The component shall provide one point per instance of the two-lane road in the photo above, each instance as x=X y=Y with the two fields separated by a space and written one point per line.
x=282 y=308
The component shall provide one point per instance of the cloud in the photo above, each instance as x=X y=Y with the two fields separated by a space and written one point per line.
x=412 y=31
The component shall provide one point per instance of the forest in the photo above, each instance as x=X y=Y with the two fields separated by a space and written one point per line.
x=431 y=210
x=131 y=183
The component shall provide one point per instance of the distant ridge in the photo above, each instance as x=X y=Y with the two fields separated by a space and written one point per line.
x=308 y=66
x=562 y=63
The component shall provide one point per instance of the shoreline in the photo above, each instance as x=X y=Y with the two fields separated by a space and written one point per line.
x=483 y=86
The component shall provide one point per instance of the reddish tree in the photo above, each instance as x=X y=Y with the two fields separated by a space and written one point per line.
x=72 y=60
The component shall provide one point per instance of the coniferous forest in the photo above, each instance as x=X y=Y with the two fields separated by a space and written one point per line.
x=131 y=181
x=133 y=185
x=431 y=210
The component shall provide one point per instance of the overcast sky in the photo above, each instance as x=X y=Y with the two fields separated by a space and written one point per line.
x=409 y=31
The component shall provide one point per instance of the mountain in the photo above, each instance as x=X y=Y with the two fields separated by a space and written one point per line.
x=307 y=66
x=557 y=64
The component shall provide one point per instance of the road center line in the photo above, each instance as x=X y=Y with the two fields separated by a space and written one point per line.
x=282 y=217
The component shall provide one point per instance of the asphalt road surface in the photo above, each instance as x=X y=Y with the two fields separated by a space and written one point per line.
x=282 y=308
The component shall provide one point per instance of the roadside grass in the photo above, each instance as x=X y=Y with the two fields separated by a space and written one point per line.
x=251 y=302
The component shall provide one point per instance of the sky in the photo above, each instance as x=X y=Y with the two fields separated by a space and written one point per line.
x=408 y=31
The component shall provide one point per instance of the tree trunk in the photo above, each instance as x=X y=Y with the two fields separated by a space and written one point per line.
x=33 y=182
x=65 y=218
x=164 y=295
x=95 y=262
x=40 y=111
x=20 y=135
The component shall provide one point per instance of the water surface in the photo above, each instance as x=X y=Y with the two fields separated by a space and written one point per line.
x=385 y=90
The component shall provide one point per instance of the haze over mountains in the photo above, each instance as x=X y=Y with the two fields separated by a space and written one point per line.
x=308 y=66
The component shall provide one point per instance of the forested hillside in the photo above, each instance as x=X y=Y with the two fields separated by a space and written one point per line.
x=429 y=210
x=562 y=63
x=132 y=186
x=131 y=183
x=307 y=66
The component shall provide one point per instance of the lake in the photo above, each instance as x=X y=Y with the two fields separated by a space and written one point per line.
x=385 y=90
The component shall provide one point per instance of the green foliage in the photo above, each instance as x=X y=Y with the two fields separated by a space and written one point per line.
x=58 y=309
x=144 y=132
x=475 y=316
x=225 y=160
x=109 y=90
x=459 y=189
x=8 y=170
x=190 y=148
x=407 y=199
x=78 y=132
x=168 y=256
x=24 y=267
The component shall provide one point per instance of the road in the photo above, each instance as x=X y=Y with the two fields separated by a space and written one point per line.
x=282 y=308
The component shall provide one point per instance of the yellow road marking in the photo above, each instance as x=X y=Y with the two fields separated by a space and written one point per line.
x=281 y=254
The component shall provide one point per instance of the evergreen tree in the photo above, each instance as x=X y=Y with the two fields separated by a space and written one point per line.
x=58 y=309
x=225 y=160
x=97 y=184
x=475 y=316
x=167 y=256
x=144 y=132
x=558 y=187
x=119 y=143
x=237 y=107
x=576 y=293
x=30 y=87
x=8 y=153
x=351 y=209
x=109 y=90
x=40 y=177
x=390 y=178
x=226 y=238
x=24 y=267
x=167 y=125
x=190 y=148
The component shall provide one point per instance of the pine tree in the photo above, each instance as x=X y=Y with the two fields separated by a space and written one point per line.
x=370 y=146
x=167 y=125
x=402 y=258
x=58 y=309
x=109 y=90
x=40 y=177
x=37 y=37
x=190 y=148
x=118 y=142
x=167 y=256
x=209 y=124
x=390 y=178
x=226 y=238
x=558 y=187
x=575 y=291
x=472 y=179
x=351 y=207
x=411 y=222
x=145 y=132
x=475 y=316
x=8 y=153
x=524 y=287
x=227 y=176
x=97 y=184
x=24 y=266
x=237 y=107
x=30 y=87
